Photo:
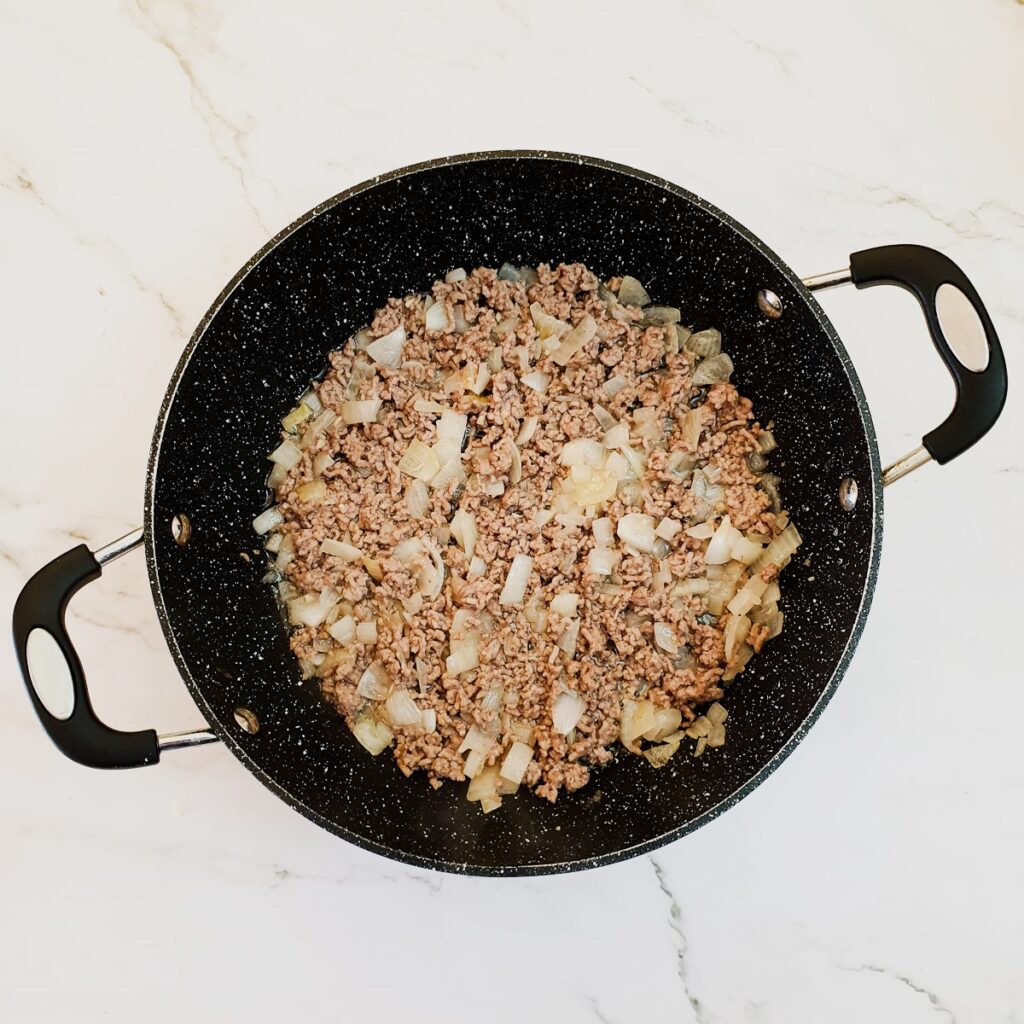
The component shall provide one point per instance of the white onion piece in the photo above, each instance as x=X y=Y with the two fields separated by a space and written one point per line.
x=494 y=489
x=464 y=530
x=567 y=641
x=417 y=499
x=340 y=549
x=322 y=462
x=515 y=470
x=719 y=549
x=296 y=418
x=605 y=420
x=637 y=530
x=616 y=436
x=637 y=463
x=387 y=350
x=668 y=528
x=748 y=596
x=452 y=427
x=736 y=630
x=366 y=632
x=374 y=736
x=477 y=566
x=570 y=519
x=547 y=325
x=537 y=380
x=604 y=532
x=454 y=276
x=665 y=638
x=477 y=739
x=273 y=542
x=374 y=682
x=344 y=630
x=267 y=520
x=432 y=574
x=361 y=412
x=567 y=711
x=277 y=476
x=584 y=451
x=474 y=763
x=451 y=470
x=565 y=604
x=313 y=491
x=633 y=293
x=527 y=430
x=287 y=454
x=285 y=553
x=601 y=561
x=615 y=463
x=407 y=551
x=542 y=517
x=702 y=531
x=666 y=722
x=427 y=405
x=419 y=461
x=613 y=385
x=781 y=548
x=428 y=720
x=402 y=709
x=515 y=582
x=582 y=333
x=437 y=318
x=589 y=487
x=513 y=768
x=746 y=551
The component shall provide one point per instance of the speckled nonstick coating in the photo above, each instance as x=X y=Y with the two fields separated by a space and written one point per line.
x=319 y=280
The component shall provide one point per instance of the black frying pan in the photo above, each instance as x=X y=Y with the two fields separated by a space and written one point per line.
x=267 y=336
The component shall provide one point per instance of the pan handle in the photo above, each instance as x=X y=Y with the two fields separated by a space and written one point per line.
x=961 y=331
x=53 y=671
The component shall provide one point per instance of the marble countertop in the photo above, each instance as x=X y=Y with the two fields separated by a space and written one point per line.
x=148 y=148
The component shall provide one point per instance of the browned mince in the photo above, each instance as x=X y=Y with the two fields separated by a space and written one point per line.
x=522 y=670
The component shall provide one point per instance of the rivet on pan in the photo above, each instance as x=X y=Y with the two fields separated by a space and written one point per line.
x=769 y=303
x=848 y=493
x=247 y=721
x=181 y=529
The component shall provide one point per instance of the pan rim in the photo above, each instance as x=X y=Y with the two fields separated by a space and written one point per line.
x=554 y=867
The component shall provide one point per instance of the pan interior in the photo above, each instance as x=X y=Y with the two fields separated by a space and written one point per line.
x=268 y=335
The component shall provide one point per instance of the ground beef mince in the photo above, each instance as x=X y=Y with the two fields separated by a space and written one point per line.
x=521 y=520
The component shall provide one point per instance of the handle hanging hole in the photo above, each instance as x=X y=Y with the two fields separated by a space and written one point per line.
x=181 y=529
x=848 y=494
x=769 y=303
x=247 y=721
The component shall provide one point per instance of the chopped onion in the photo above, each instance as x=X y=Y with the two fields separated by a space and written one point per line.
x=617 y=436
x=604 y=532
x=584 y=451
x=668 y=528
x=402 y=709
x=570 y=520
x=374 y=683
x=565 y=604
x=665 y=638
x=477 y=739
x=432 y=574
x=340 y=549
x=494 y=489
x=477 y=566
x=374 y=736
x=736 y=630
x=702 y=531
x=662 y=315
x=417 y=499
x=322 y=462
x=766 y=442
x=277 y=476
x=612 y=386
x=719 y=549
x=537 y=380
x=454 y=276
x=704 y=344
x=601 y=561
x=567 y=641
x=419 y=461
x=361 y=412
x=484 y=788
x=437 y=318
x=713 y=370
x=464 y=530
x=285 y=553
x=547 y=325
x=637 y=463
x=273 y=543
x=296 y=417
x=666 y=722
x=781 y=549
x=312 y=492
x=747 y=596
x=479 y=379
x=427 y=405
x=451 y=470
x=746 y=551
x=513 y=768
x=590 y=487
x=633 y=293
x=387 y=350
x=693 y=424
x=605 y=419
x=515 y=470
x=286 y=454
x=637 y=718
x=428 y=720
x=344 y=630
x=616 y=464
x=474 y=762
x=582 y=333
x=515 y=582
x=267 y=520
x=366 y=632
x=527 y=430
x=452 y=427
x=408 y=550
x=567 y=711
x=637 y=530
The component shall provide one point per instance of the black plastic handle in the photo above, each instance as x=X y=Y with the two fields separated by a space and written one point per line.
x=980 y=393
x=38 y=623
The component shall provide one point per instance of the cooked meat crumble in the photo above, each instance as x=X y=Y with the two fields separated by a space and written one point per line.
x=522 y=519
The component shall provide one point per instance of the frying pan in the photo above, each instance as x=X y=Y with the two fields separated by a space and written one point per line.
x=268 y=334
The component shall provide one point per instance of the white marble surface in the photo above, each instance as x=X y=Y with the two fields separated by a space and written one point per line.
x=147 y=148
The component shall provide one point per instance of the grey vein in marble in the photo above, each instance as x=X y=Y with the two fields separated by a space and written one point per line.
x=932 y=998
x=675 y=922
